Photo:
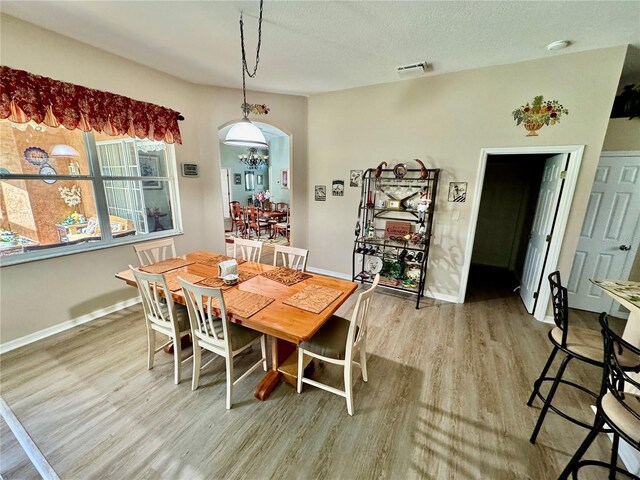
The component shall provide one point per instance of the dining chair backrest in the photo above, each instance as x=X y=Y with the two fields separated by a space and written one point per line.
x=234 y=209
x=155 y=311
x=358 y=327
x=292 y=257
x=267 y=205
x=156 y=251
x=253 y=214
x=616 y=379
x=560 y=304
x=200 y=302
x=282 y=207
x=249 y=250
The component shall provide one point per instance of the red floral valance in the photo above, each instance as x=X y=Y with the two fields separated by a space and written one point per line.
x=27 y=97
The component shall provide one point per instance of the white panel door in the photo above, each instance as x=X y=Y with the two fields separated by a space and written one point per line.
x=541 y=229
x=607 y=237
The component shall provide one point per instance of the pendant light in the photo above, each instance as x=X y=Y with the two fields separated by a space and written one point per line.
x=245 y=133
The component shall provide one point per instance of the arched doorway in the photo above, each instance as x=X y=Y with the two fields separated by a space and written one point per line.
x=248 y=176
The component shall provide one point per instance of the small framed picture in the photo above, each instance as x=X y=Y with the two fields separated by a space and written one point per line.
x=321 y=193
x=284 y=178
x=355 y=178
x=337 y=188
x=259 y=179
x=237 y=179
x=458 y=192
x=394 y=203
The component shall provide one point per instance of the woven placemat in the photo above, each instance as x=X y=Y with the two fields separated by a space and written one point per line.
x=286 y=276
x=314 y=298
x=216 y=282
x=172 y=279
x=166 y=265
x=243 y=304
x=214 y=260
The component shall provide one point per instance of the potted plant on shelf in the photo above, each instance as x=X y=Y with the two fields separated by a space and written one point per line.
x=541 y=112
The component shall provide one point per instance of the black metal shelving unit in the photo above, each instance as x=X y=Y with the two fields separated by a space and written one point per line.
x=416 y=187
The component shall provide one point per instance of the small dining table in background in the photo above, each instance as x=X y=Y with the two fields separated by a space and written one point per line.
x=287 y=325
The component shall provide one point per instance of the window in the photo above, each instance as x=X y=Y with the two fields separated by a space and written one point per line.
x=59 y=187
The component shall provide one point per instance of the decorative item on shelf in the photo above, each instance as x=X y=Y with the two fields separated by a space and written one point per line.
x=394 y=204
x=394 y=229
x=457 y=191
x=253 y=159
x=382 y=203
x=370 y=200
x=379 y=169
x=357 y=228
x=355 y=178
x=400 y=170
x=337 y=188
x=541 y=112
x=244 y=133
x=423 y=170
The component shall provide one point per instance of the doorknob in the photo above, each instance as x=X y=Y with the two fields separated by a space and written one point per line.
x=625 y=248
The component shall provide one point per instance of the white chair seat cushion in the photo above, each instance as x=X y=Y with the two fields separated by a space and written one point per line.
x=620 y=416
x=282 y=225
x=181 y=313
x=331 y=340
x=240 y=336
x=590 y=344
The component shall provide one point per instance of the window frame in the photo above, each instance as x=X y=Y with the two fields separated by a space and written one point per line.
x=98 y=180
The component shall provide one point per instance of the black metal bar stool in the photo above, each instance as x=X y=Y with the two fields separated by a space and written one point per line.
x=583 y=344
x=619 y=410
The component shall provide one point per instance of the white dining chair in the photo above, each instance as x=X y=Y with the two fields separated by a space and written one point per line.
x=249 y=250
x=155 y=251
x=292 y=257
x=218 y=334
x=162 y=315
x=337 y=342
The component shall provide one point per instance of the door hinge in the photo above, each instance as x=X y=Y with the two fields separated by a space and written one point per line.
x=563 y=174
x=549 y=238
x=535 y=295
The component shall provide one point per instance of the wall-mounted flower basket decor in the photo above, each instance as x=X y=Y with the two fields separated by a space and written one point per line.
x=541 y=112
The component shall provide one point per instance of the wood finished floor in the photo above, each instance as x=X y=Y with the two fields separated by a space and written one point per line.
x=446 y=399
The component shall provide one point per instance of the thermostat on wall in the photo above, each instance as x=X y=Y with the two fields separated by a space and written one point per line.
x=189 y=169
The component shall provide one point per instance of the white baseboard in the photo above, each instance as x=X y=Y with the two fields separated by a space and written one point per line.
x=61 y=327
x=344 y=276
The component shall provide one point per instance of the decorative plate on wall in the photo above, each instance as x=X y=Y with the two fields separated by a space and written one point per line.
x=373 y=265
x=36 y=156
x=48 y=170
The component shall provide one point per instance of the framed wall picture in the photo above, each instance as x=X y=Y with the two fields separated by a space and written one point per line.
x=321 y=193
x=355 y=178
x=237 y=179
x=457 y=191
x=248 y=182
x=337 y=188
x=259 y=179
x=150 y=167
x=284 y=178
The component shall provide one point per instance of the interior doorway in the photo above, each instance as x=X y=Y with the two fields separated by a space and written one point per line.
x=518 y=221
x=259 y=178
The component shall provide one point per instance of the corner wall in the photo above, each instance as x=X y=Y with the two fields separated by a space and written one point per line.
x=445 y=120
x=45 y=293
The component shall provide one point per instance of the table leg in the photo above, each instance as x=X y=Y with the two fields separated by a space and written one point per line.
x=280 y=350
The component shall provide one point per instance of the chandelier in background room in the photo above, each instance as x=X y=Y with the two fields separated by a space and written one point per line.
x=253 y=159
x=245 y=133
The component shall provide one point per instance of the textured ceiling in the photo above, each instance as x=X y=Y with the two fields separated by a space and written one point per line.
x=321 y=46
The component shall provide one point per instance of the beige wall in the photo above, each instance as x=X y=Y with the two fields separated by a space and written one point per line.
x=446 y=120
x=623 y=135
x=41 y=294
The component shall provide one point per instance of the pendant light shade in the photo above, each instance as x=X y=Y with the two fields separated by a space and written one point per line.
x=64 y=151
x=245 y=134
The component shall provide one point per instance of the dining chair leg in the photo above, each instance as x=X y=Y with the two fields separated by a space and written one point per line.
x=197 y=356
x=229 y=365
x=538 y=382
x=263 y=349
x=363 y=360
x=177 y=359
x=348 y=389
x=151 y=344
x=552 y=391
x=597 y=426
x=614 y=456
x=300 y=369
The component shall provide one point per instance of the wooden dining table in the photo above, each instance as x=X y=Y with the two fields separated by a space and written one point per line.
x=287 y=326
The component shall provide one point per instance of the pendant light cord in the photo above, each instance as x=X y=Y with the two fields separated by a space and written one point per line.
x=245 y=68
